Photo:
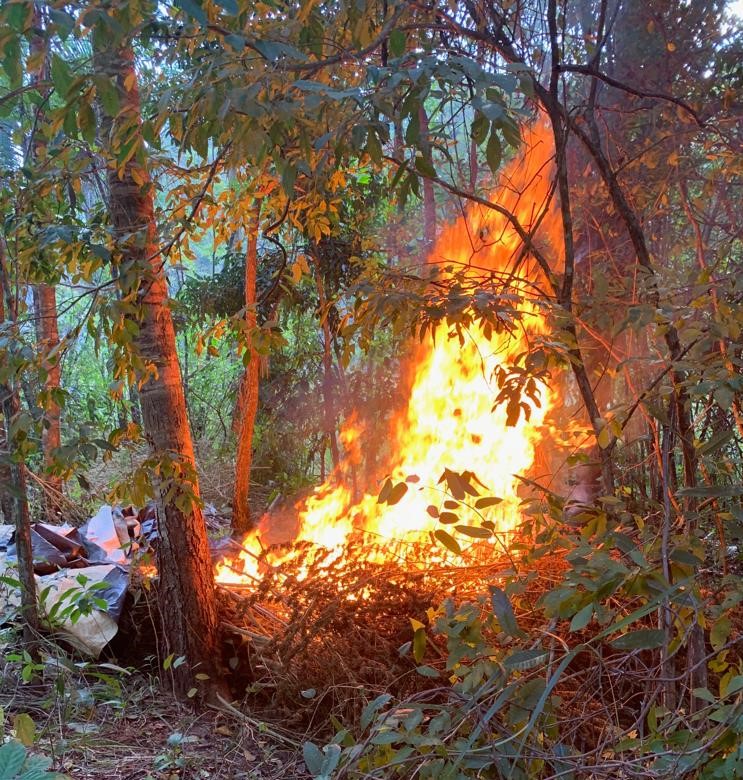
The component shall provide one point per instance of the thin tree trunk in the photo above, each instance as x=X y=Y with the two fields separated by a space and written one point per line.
x=47 y=337
x=327 y=361
x=7 y=504
x=45 y=306
x=186 y=580
x=565 y=296
x=15 y=501
x=474 y=166
x=248 y=402
x=429 y=195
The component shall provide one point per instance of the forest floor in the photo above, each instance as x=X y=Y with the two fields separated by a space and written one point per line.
x=99 y=721
x=144 y=734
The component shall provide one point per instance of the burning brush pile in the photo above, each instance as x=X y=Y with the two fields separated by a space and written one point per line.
x=453 y=441
x=327 y=603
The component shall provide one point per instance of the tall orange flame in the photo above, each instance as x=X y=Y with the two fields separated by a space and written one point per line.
x=450 y=421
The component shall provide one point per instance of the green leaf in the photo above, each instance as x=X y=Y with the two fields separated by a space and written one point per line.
x=419 y=644
x=397 y=43
x=511 y=132
x=504 y=612
x=313 y=758
x=413 y=130
x=61 y=75
x=383 y=737
x=63 y=21
x=373 y=147
x=523 y=660
x=268 y=49
x=236 y=41
x=193 y=9
x=493 y=111
x=643 y=639
x=705 y=695
x=716 y=442
x=25 y=729
x=685 y=557
x=230 y=6
x=605 y=437
x=108 y=94
x=479 y=130
x=330 y=762
x=12 y=757
x=720 y=632
x=288 y=177
x=424 y=166
x=448 y=541
x=493 y=151
x=18 y=15
x=86 y=122
x=12 y=61
x=371 y=709
x=427 y=671
x=582 y=618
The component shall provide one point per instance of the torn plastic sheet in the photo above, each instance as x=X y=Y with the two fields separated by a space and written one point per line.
x=104 y=537
x=89 y=633
x=66 y=558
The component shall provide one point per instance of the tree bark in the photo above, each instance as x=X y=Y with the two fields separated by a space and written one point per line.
x=186 y=581
x=248 y=402
x=14 y=500
x=565 y=295
x=7 y=504
x=429 y=195
x=327 y=361
x=47 y=337
x=45 y=305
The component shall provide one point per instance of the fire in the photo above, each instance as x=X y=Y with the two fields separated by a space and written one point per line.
x=450 y=421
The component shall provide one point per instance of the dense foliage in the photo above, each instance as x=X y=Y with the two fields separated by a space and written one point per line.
x=145 y=145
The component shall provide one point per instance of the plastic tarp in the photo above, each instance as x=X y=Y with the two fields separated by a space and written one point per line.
x=66 y=558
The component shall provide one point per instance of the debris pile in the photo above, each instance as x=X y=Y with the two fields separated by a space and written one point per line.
x=320 y=636
x=82 y=574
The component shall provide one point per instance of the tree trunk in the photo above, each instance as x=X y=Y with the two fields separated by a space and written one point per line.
x=45 y=305
x=429 y=196
x=14 y=499
x=7 y=504
x=29 y=607
x=186 y=581
x=327 y=362
x=248 y=402
x=134 y=405
x=47 y=337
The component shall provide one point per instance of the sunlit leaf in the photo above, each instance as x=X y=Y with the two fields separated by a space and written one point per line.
x=643 y=639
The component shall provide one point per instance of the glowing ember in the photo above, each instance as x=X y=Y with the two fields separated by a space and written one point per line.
x=449 y=422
